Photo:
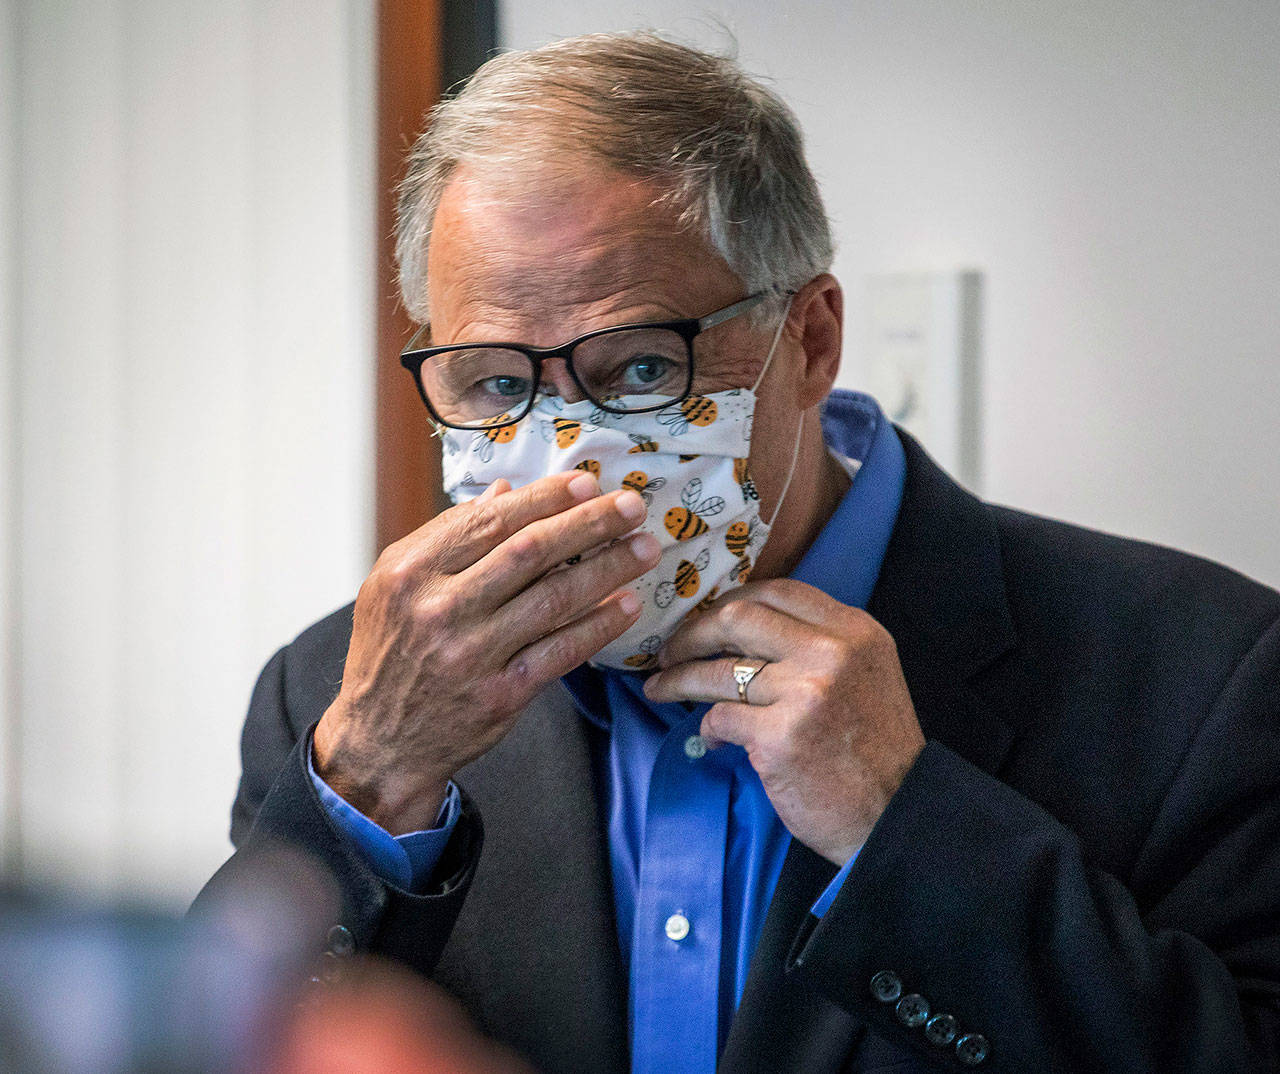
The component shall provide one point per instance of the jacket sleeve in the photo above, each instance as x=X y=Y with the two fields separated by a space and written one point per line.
x=970 y=900
x=278 y=809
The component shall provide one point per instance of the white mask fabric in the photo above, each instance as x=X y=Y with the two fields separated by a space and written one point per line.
x=687 y=460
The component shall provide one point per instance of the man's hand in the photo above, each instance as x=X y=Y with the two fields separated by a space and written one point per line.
x=461 y=623
x=830 y=727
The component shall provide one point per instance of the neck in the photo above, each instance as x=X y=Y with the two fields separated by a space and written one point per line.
x=818 y=486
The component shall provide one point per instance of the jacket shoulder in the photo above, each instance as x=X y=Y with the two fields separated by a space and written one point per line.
x=1165 y=629
x=1129 y=577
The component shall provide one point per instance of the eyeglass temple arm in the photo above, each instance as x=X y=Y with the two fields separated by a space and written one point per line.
x=720 y=316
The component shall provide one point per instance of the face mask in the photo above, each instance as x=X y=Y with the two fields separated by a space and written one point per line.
x=689 y=463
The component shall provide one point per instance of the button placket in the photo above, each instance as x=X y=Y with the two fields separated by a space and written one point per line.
x=679 y=885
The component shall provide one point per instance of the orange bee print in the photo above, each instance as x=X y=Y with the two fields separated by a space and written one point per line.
x=696 y=410
x=566 y=431
x=686 y=522
x=484 y=439
x=590 y=466
x=640 y=482
x=648 y=654
x=738 y=536
x=687 y=579
x=743 y=478
x=705 y=602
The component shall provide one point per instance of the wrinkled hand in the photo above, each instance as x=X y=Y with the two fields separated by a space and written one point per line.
x=830 y=729
x=461 y=623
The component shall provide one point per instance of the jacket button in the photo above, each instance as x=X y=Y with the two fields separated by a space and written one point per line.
x=886 y=986
x=341 y=942
x=912 y=1010
x=972 y=1049
x=940 y=1030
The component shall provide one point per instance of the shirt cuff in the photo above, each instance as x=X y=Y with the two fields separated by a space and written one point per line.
x=833 y=889
x=403 y=860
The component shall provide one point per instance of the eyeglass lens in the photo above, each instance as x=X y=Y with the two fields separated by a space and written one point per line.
x=631 y=369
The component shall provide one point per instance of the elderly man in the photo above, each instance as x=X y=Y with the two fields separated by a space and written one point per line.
x=791 y=754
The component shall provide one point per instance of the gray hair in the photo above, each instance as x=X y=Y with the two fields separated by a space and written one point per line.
x=726 y=152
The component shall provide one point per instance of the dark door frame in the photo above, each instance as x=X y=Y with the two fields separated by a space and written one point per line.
x=423 y=47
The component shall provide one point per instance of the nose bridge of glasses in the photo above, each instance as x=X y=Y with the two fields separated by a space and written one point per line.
x=555 y=379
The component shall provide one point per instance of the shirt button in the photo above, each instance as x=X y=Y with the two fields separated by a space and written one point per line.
x=341 y=942
x=940 y=1030
x=677 y=927
x=695 y=746
x=886 y=986
x=912 y=1010
x=972 y=1049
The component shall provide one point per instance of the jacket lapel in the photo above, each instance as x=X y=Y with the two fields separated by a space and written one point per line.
x=534 y=954
x=941 y=594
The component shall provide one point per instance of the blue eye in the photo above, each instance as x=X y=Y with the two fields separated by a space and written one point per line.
x=509 y=386
x=648 y=368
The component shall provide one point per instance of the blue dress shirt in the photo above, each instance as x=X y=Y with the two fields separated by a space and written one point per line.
x=695 y=846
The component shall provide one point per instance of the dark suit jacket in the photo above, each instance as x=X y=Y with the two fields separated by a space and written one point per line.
x=1083 y=866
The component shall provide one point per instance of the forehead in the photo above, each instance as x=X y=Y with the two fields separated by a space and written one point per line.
x=565 y=253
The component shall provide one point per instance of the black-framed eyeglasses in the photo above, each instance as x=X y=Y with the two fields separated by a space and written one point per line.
x=626 y=369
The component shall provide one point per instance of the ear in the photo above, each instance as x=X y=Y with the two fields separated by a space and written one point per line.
x=817 y=316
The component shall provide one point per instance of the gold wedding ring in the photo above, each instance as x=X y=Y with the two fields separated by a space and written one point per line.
x=743 y=674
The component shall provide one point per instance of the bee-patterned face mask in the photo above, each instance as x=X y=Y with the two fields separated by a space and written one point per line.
x=689 y=463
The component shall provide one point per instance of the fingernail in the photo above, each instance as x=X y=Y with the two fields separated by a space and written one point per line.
x=645 y=547
x=584 y=486
x=629 y=603
x=630 y=506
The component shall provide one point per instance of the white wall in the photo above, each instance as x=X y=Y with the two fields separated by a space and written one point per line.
x=194 y=394
x=8 y=435
x=1113 y=168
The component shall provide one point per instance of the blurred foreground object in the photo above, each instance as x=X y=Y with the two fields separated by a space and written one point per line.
x=127 y=990
x=383 y=1020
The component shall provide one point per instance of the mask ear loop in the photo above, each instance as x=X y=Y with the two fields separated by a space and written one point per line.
x=795 y=451
x=774 y=345
x=795 y=456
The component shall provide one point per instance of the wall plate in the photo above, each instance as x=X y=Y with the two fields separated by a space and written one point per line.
x=920 y=358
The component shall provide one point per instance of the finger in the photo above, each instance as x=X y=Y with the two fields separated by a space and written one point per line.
x=712 y=681
x=526 y=556
x=796 y=599
x=496 y=489
x=562 y=596
x=731 y=721
x=546 y=659
x=464 y=534
x=747 y=627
